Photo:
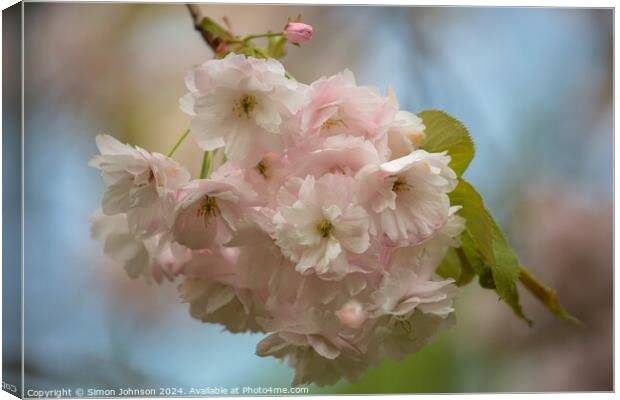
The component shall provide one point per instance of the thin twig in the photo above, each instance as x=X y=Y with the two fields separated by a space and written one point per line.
x=213 y=42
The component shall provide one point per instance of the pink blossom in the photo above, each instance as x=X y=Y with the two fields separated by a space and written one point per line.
x=406 y=132
x=240 y=103
x=151 y=258
x=408 y=196
x=140 y=184
x=209 y=211
x=298 y=32
x=337 y=105
x=322 y=224
x=341 y=154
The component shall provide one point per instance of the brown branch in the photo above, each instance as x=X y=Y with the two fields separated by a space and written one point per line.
x=213 y=42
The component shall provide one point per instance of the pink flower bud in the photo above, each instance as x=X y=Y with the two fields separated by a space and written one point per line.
x=298 y=32
x=352 y=314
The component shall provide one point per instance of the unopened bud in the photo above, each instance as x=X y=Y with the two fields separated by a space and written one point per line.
x=298 y=32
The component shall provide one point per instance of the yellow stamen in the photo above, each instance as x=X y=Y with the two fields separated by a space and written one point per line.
x=332 y=122
x=337 y=170
x=325 y=228
x=208 y=208
x=261 y=167
x=245 y=105
x=400 y=185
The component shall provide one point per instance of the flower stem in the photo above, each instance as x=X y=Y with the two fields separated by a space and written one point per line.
x=261 y=52
x=178 y=143
x=262 y=35
x=249 y=38
x=546 y=296
x=207 y=164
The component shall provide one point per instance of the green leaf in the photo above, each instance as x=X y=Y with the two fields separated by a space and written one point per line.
x=450 y=267
x=215 y=29
x=467 y=271
x=276 y=47
x=477 y=264
x=471 y=253
x=506 y=271
x=490 y=256
x=248 y=51
x=489 y=242
x=446 y=133
x=485 y=278
x=478 y=223
x=455 y=265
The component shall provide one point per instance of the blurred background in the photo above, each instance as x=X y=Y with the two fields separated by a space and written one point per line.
x=533 y=85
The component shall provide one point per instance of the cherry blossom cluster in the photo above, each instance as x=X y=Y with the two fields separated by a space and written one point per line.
x=321 y=224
